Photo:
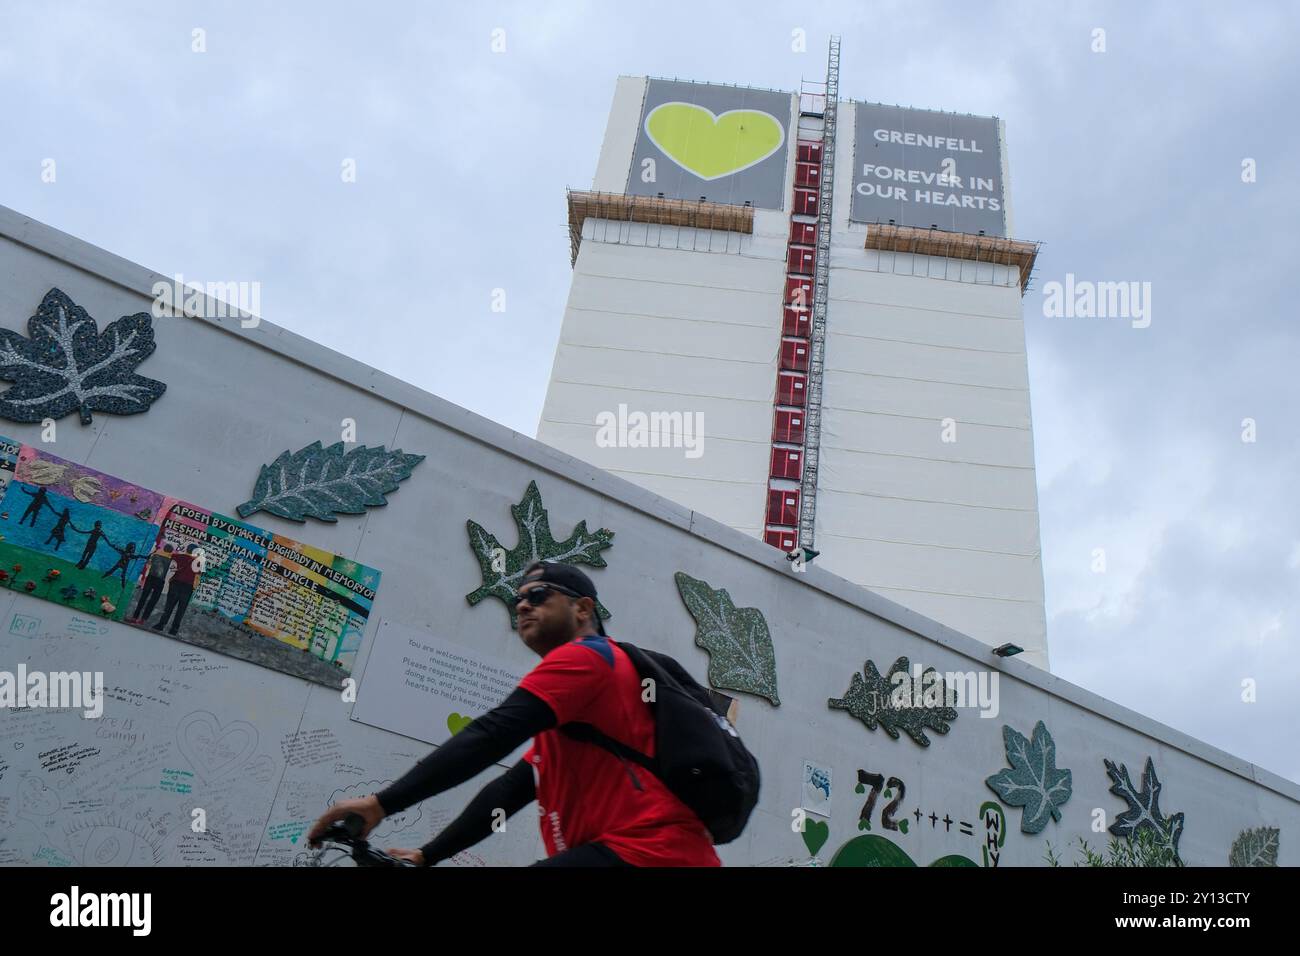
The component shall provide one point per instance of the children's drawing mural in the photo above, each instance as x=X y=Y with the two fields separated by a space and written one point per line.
x=101 y=545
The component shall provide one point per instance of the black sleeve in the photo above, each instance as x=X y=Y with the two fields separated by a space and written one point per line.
x=511 y=792
x=473 y=750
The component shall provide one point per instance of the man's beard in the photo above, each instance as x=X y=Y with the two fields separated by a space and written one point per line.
x=549 y=634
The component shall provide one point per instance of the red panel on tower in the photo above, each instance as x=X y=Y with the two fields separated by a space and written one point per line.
x=800 y=260
x=790 y=388
x=810 y=152
x=787 y=463
x=803 y=233
x=796 y=322
x=805 y=202
x=794 y=355
x=808 y=174
x=799 y=292
x=789 y=426
x=783 y=507
x=780 y=539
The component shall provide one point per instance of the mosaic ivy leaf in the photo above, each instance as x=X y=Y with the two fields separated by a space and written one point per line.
x=1143 y=811
x=1256 y=847
x=503 y=570
x=318 y=482
x=875 y=699
x=66 y=365
x=1032 y=782
x=741 y=656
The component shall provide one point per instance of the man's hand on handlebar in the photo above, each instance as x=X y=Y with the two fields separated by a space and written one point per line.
x=367 y=808
x=414 y=856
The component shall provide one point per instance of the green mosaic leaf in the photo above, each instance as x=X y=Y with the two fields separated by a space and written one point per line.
x=503 y=570
x=741 y=656
x=877 y=700
x=1256 y=847
x=320 y=482
x=66 y=365
x=1143 y=811
x=1032 y=782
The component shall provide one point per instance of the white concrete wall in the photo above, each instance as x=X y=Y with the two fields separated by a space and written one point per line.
x=949 y=528
x=236 y=397
x=620 y=135
x=662 y=330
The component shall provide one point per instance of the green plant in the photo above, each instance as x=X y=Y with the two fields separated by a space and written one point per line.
x=1145 y=849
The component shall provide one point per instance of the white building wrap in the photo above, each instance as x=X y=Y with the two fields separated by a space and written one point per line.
x=926 y=485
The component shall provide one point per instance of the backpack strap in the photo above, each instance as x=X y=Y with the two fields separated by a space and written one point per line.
x=589 y=734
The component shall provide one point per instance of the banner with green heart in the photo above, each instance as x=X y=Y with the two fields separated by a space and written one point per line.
x=712 y=146
x=721 y=144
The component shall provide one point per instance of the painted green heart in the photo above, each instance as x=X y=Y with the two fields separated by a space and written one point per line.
x=815 y=835
x=713 y=146
x=456 y=723
x=875 y=850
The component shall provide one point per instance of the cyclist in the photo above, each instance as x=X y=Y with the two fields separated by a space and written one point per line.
x=595 y=809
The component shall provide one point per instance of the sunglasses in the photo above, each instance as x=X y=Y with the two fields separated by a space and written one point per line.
x=538 y=593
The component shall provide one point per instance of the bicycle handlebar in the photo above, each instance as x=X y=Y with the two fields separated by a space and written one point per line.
x=347 y=833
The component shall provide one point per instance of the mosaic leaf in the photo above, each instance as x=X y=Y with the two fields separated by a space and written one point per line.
x=1256 y=847
x=741 y=656
x=320 y=482
x=1032 y=782
x=66 y=365
x=876 y=699
x=1143 y=811
x=503 y=570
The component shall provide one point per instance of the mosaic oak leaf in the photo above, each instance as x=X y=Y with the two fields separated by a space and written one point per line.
x=66 y=365
x=503 y=570
x=875 y=699
x=1256 y=847
x=741 y=656
x=1032 y=782
x=320 y=482
x=1143 y=811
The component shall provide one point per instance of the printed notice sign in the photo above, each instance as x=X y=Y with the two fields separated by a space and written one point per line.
x=429 y=688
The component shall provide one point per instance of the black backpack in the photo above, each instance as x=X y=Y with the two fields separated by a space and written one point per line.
x=699 y=755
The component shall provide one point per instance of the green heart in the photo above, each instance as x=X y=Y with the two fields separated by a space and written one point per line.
x=456 y=723
x=877 y=851
x=713 y=146
x=815 y=835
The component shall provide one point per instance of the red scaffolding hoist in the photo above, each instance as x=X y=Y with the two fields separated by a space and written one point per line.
x=796 y=428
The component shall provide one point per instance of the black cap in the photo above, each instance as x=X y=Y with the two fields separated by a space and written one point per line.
x=566 y=576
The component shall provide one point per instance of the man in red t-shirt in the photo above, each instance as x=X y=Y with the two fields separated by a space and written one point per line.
x=180 y=590
x=595 y=809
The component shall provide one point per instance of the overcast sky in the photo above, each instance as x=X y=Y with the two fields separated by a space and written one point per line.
x=1127 y=164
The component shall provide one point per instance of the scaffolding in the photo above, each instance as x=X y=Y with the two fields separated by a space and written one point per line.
x=1018 y=254
x=654 y=210
x=821 y=276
